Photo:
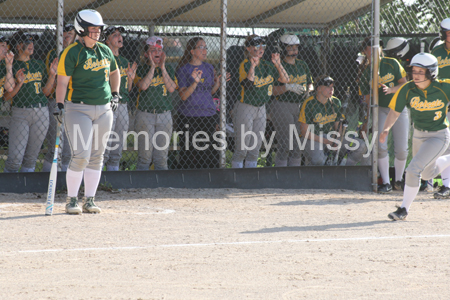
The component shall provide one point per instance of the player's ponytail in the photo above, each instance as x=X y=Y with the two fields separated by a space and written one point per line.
x=187 y=56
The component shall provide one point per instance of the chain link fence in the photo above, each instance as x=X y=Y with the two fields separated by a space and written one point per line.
x=286 y=70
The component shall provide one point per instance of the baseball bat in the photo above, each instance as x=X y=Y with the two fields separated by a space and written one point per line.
x=344 y=128
x=53 y=174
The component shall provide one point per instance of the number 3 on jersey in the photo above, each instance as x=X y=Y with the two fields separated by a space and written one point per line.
x=438 y=115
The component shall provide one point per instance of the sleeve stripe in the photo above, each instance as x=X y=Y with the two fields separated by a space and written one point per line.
x=62 y=61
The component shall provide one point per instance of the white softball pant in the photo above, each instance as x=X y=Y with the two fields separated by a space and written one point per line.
x=427 y=147
x=88 y=128
x=400 y=134
x=154 y=133
x=248 y=119
x=283 y=116
x=27 y=130
x=120 y=125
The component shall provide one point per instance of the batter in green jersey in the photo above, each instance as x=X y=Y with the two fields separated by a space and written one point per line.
x=113 y=153
x=29 y=116
x=88 y=77
x=428 y=100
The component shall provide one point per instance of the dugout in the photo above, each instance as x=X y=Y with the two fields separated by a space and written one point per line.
x=324 y=27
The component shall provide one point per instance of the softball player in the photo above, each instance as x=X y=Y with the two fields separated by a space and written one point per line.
x=89 y=79
x=29 y=117
x=257 y=79
x=442 y=53
x=155 y=81
x=68 y=38
x=114 y=40
x=6 y=74
x=285 y=109
x=391 y=77
x=319 y=117
x=428 y=99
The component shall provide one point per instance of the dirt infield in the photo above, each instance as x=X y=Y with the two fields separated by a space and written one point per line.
x=225 y=244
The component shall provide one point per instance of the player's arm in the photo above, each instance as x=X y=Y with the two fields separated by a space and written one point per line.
x=114 y=80
x=20 y=79
x=144 y=83
x=48 y=88
x=390 y=121
x=61 y=88
x=394 y=89
x=170 y=84
x=131 y=74
x=307 y=131
x=9 y=79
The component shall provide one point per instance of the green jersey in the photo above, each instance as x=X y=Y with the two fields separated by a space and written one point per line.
x=89 y=69
x=298 y=73
x=265 y=75
x=443 y=57
x=155 y=97
x=122 y=63
x=30 y=94
x=390 y=73
x=428 y=107
x=2 y=79
x=322 y=116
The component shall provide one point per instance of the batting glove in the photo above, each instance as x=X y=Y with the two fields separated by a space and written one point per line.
x=58 y=112
x=296 y=88
x=115 y=100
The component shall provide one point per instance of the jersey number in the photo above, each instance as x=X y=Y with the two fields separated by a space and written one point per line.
x=106 y=75
x=37 y=86
x=164 y=90
x=438 y=115
x=269 y=90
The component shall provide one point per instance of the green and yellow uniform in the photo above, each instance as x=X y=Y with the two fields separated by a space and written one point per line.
x=265 y=75
x=390 y=72
x=428 y=107
x=322 y=116
x=443 y=57
x=30 y=94
x=84 y=64
x=122 y=63
x=155 y=99
x=51 y=55
x=298 y=73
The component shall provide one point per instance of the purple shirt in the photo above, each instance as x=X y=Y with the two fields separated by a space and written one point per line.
x=200 y=103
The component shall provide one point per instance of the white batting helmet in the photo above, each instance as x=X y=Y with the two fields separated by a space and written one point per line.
x=397 y=47
x=86 y=18
x=445 y=26
x=435 y=42
x=289 y=39
x=427 y=61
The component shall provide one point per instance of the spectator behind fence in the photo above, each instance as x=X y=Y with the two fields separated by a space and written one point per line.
x=285 y=108
x=154 y=117
x=68 y=38
x=257 y=78
x=29 y=117
x=113 y=153
x=7 y=82
x=321 y=124
x=391 y=77
x=197 y=114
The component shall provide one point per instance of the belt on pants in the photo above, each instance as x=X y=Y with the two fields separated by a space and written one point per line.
x=154 y=111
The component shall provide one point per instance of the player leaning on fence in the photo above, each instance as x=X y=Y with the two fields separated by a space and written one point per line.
x=89 y=79
x=428 y=99
x=320 y=116
x=29 y=117
x=114 y=40
x=257 y=78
